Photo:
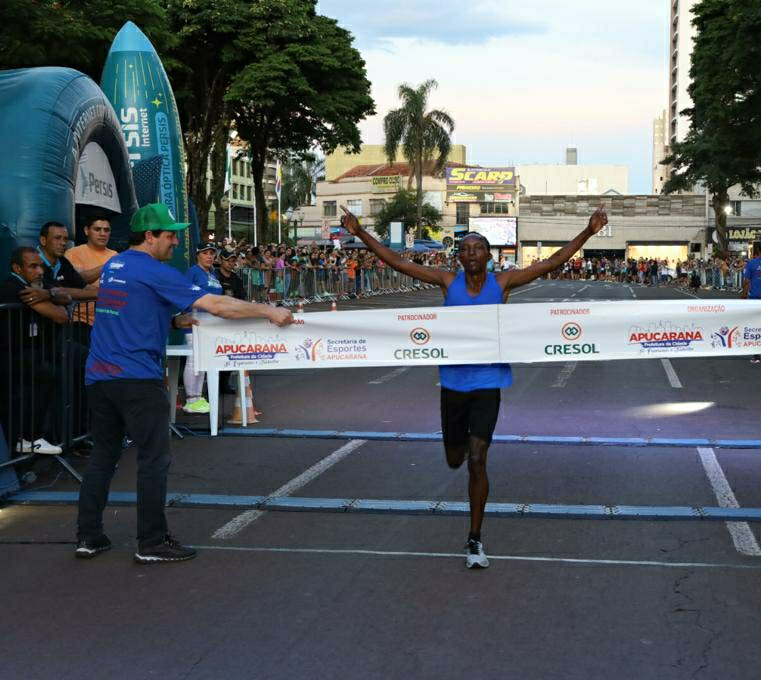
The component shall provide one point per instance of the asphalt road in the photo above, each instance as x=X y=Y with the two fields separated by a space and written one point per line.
x=281 y=595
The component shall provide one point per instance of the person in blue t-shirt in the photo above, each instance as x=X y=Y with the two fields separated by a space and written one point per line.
x=470 y=394
x=752 y=284
x=202 y=275
x=124 y=374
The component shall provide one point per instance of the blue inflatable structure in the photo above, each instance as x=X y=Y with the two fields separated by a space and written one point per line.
x=50 y=120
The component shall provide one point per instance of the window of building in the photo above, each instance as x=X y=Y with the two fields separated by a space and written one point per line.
x=495 y=208
x=736 y=208
x=355 y=206
x=376 y=205
x=248 y=192
x=462 y=213
x=329 y=209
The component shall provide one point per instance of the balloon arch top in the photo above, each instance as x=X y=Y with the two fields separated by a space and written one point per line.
x=72 y=148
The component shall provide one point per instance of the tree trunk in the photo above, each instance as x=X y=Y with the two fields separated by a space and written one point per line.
x=218 y=169
x=197 y=157
x=419 y=213
x=258 y=162
x=199 y=139
x=719 y=201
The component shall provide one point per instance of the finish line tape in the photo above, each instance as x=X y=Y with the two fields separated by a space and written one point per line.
x=483 y=334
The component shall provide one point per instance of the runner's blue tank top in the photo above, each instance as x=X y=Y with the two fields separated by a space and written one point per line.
x=468 y=378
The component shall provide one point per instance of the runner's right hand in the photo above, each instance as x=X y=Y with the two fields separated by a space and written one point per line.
x=350 y=222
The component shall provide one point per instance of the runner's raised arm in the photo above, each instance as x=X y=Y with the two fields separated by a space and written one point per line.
x=519 y=277
x=439 y=277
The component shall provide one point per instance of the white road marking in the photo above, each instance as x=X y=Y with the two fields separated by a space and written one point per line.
x=526 y=289
x=671 y=373
x=631 y=290
x=235 y=525
x=581 y=290
x=459 y=556
x=565 y=374
x=742 y=536
x=692 y=295
x=389 y=376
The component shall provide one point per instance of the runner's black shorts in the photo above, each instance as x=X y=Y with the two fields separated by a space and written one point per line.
x=468 y=413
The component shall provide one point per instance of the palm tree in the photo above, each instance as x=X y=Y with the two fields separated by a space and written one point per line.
x=301 y=172
x=423 y=135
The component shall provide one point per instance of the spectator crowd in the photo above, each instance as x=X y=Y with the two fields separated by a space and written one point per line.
x=717 y=273
x=47 y=279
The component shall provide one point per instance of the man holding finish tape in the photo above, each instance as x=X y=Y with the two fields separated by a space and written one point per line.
x=470 y=394
x=125 y=378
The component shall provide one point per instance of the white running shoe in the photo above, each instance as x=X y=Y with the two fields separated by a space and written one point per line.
x=40 y=445
x=475 y=557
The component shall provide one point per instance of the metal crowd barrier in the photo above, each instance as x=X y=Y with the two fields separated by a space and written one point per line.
x=292 y=285
x=42 y=393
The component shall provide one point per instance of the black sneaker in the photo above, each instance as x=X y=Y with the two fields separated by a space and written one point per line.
x=755 y=359
x=87 y=548
x=170 y=550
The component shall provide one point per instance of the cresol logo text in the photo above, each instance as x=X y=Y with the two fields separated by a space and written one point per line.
x=571 y=332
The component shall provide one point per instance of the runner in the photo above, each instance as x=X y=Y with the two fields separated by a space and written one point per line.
x=470 y=394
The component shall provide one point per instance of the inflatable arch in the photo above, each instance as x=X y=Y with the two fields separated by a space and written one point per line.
x=63 y=155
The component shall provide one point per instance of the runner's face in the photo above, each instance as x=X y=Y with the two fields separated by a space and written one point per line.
x=473 y=255
x=98 y=233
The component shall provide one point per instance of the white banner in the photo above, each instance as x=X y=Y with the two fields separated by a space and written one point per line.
x=526 y=333
x=95 y=181
x=629 y=330
x=386 y=337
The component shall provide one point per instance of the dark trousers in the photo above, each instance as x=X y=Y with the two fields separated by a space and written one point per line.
x=142 y=408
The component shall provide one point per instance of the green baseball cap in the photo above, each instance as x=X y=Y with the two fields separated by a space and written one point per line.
x=153 y=217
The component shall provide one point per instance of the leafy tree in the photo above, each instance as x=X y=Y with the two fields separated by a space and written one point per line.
x=723 y=146
x=202 y=64
x=403 y=207
x=301 y=172
x=422 y=135
x=304 y=85
x=75 y=33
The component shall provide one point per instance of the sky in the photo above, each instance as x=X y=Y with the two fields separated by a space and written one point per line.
x=523 y=80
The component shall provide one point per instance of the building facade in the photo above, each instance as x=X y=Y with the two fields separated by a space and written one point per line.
x=682 y=37
x=341 y=161
x=665 y=227
x=365 y=189
x=241 y=198
x=660 y=152
x=573 y=180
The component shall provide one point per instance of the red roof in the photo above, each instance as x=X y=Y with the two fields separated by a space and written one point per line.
x=391 y=169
